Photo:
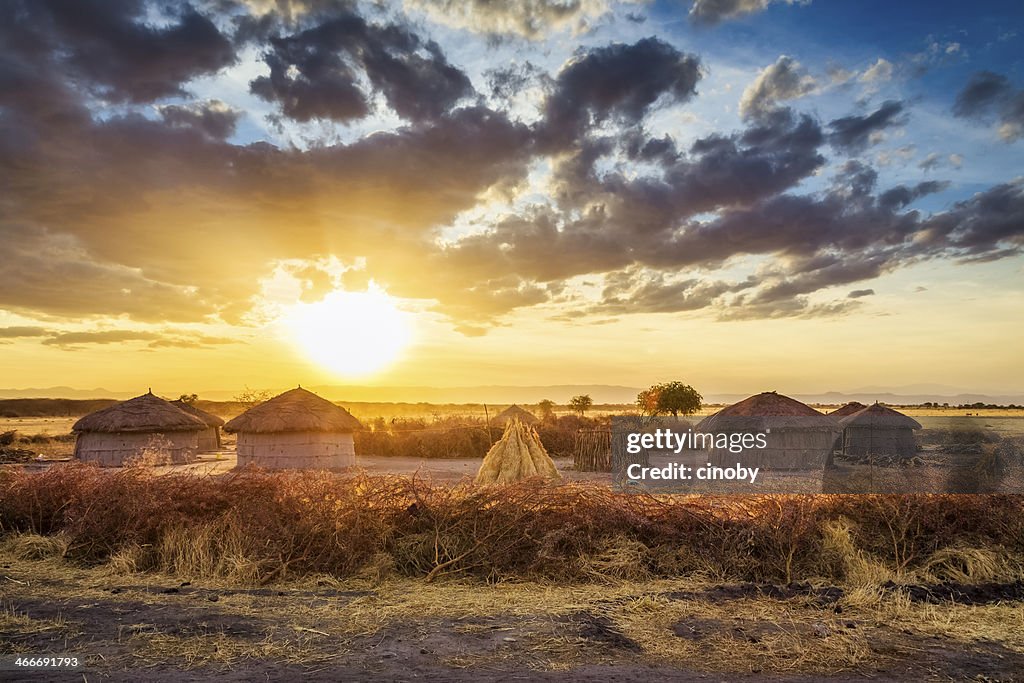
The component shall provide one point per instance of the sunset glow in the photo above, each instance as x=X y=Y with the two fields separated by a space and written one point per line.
x=351 y=334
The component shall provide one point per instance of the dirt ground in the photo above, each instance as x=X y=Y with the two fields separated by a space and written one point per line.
x=442 y=470
x=131 y=627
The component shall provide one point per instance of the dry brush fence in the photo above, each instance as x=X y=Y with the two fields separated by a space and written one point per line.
x=592 y=450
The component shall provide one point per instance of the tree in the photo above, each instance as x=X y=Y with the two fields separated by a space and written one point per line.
x=672 y=398
x=188 y=398
x=252 y=397
x=546 y=408
x=647 y=401
x=581 y=404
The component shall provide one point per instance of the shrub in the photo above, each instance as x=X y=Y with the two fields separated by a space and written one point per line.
x=257 y=526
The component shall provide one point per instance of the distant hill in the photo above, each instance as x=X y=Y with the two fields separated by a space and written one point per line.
x=531 y=395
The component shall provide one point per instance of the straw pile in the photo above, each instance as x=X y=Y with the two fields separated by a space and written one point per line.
x=518 y=455
x=514 y=412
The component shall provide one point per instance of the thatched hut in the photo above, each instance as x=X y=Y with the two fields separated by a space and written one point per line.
x=796 y=435
x=519 y=454
x=146 y=426
x=295 y=430
x=879 y=430
x=209 y=438
x=514 y=412
x=847 y=409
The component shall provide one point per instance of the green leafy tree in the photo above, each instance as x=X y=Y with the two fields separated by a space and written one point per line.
x=546 y=408
x=581 y=404
x=669 y=398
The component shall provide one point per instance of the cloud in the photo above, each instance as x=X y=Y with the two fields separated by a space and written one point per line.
x=935 y=160
x=860 y=293
x=213 y=118
x=162 y=339
x=114 y=48
x=53 y=273
x=784 y=80
x=71 y=339
x=17 y=332
x=162 y=213
x=879 y=72
x=711 y=12
x=852 y=134
x=531 y=19
x=316 y=73
x=617 y=81
x=988 y=95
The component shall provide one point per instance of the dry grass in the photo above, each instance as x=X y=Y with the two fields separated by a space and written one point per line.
x=528 y=625
x=261 y=527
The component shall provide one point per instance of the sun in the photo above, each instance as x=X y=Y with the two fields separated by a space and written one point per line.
x=351 y=333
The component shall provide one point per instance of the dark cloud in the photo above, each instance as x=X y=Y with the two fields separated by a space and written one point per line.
x=786 y=79
x=608 y=221
x=860 y=293
x=213 y=118
x=618 y=82
x=117 y=213
x=506 y=82
x=316 y=73
x=113 y=48
x=853 y=134
x=989 y=95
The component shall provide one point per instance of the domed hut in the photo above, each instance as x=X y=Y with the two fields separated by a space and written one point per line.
x=518 y=454
x=295 y=430
x=144 y=426
x=209 y=438
x=879 y=430
x=514 y=412
x=848 y=409
x=796 y=436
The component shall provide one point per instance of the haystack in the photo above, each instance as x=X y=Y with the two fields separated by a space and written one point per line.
x=295 y=430
x=848 y=409
x=519 y=454
x=146 y=426
x=879 y=430
x=209 y=438
x=514 y=412
x=797 y=436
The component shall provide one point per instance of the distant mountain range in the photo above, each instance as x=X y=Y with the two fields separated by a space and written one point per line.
x=559 y=393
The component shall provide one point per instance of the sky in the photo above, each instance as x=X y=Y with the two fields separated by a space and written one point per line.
x=795 y=195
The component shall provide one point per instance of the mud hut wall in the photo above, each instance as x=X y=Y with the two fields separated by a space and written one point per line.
x=296 y=450
x=789 y=449
x=209 y=440
x=115 y=449
x=872 y=440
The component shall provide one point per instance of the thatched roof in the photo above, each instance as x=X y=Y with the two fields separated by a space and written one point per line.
x=297 y=410
x=880 y=416
x=848 y=409
x=210 y=419
x=146 y=413
x=519 y=454
x=515 y=412
x=767 y=411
